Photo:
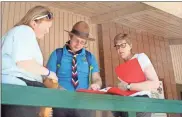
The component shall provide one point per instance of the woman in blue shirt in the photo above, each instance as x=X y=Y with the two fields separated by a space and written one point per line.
x=22 y=58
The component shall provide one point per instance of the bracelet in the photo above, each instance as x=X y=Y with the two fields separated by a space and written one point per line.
x=48 y=73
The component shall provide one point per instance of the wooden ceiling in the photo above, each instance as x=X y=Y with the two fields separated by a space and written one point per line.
x=136 y=15
x=174 y=8
x=154 y=21
x=91 y=8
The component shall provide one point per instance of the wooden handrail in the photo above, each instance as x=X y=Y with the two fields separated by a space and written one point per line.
x=34 y=96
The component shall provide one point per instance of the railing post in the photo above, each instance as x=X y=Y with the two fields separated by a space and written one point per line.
x=131 y=114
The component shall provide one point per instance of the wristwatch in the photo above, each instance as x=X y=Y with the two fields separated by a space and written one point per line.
x=128 y=86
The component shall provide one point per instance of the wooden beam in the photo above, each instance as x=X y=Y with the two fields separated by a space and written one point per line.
x=174 y=8
x=107 y=17
x=36 y=96
x=175 y=41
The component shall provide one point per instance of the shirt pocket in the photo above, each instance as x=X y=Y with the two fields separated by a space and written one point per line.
x=65 y=68
x=83 y=69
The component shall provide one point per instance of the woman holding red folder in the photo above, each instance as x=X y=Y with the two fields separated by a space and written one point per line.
x=123 y=44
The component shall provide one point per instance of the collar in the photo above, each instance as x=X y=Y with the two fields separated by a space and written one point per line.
x=65 y=50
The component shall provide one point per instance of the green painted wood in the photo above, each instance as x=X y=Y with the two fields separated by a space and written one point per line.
x=131 y=114
x=33 y=96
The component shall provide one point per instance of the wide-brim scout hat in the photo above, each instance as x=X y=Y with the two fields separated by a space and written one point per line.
x=81 y=29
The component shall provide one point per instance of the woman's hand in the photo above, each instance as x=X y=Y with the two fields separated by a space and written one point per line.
x=53 y=77
x=122 y=85
x=49 y=83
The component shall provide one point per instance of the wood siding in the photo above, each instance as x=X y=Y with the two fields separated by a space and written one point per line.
x=12 y=12
x=176 y=53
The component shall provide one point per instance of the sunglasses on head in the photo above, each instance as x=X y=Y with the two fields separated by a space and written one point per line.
x=48 y=16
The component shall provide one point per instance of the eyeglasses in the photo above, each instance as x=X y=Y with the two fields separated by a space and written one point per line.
x=48 y=16
x=122 y=45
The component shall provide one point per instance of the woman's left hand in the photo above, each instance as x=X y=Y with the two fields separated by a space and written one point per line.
x=122 y=85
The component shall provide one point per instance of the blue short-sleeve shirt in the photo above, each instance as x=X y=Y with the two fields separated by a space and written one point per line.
x=19 y=44
x=65 y=71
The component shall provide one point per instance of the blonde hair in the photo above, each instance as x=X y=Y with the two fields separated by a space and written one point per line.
x=33 y=13
x=120 y=37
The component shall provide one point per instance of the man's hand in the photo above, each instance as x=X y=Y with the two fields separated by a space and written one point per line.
x=96 y=82
x=94 y=87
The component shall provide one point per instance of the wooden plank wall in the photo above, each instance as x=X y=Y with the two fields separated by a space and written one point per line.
x=176 y=53
x=12 y=12
x=156 y=47
x=1 y=35
x=179 y=91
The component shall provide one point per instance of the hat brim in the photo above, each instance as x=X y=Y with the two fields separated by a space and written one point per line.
x=89 y=39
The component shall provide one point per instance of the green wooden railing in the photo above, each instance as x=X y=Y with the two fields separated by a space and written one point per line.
x=33 y=96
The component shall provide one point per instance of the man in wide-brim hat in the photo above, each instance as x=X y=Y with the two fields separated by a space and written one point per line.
x=75 y=67
x=81 y=29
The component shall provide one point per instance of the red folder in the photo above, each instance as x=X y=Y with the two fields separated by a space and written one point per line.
x=90 y=91
x=117 y=91
x=108 y=90
x=130 y=72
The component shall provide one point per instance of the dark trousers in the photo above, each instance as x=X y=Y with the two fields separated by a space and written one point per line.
x=138 y=114
x=65 y=112
x=22 y=111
